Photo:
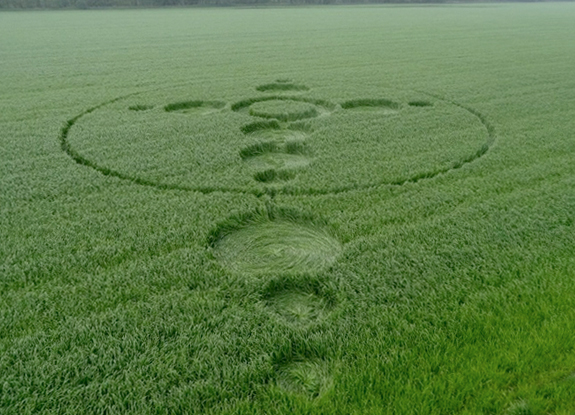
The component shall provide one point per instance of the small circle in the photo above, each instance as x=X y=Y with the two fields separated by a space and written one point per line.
x=284 y=110
x=272 y=130
x=288 y=154
x=298 y=307
x=259 y=126
x=308 y=377
x=274 y=241
x=322 y=106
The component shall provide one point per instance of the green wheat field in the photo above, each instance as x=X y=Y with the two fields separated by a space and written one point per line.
x=311 y=210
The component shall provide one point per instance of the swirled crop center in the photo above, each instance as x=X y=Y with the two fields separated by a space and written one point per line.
x=274 y=242
x=201 y=145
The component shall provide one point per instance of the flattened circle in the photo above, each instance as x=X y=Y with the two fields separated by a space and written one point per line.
x=274 y=242
x=277 y=246
x=307 y=377
x=322 y=107
x=298 y=307
x=283 y=110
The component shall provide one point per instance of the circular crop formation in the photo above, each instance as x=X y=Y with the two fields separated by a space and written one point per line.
x=293 y=246
x=308 y=377
x=272 y=241
x=294 y=144
x=299 y=307
x=267 y=247
x=284 y=110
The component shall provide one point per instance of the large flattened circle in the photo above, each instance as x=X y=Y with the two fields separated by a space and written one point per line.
x=274 y=241
x=392 y=142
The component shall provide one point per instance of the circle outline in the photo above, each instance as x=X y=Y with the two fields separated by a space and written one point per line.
x=285 y=190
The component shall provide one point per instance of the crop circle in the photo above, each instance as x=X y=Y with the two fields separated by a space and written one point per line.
x=307 y=377
x=283 y=110
x=405 y=139
x=298 y=307
x=274 y=241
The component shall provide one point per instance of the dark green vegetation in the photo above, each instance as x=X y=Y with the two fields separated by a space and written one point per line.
x=190 y=106
x=281 y=85
x=407 y=247
x=372 y=103
x=139 y=107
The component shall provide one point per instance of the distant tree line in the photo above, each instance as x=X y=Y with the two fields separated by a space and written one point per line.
x=95 y=4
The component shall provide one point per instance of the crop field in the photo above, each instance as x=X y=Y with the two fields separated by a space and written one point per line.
x=313 y=210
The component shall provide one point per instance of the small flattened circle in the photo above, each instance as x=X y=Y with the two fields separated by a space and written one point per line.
x=291 y=153
x=283 y=110
x=321 y=107
x=307 y=377
x=298 y=307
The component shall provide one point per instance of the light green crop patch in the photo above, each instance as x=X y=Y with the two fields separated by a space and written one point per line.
x=274 y=241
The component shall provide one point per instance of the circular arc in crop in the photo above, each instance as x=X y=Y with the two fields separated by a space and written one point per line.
x=266 y=128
